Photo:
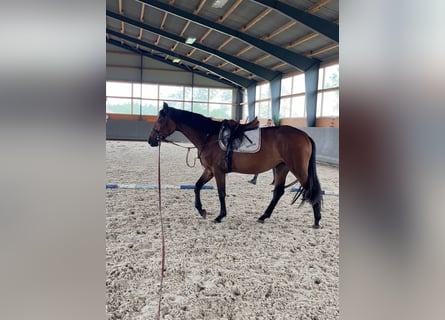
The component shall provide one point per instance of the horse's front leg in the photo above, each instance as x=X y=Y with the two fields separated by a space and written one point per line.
x=221 y=184
x=206 y=176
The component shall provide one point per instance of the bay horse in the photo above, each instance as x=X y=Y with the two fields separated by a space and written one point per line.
x=284 y=148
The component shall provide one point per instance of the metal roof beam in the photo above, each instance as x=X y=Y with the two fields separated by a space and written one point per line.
x=238 y=80
x=326 y=28
x=176 y=65
x=264 y=73
x=298 y=61
x=229 y=11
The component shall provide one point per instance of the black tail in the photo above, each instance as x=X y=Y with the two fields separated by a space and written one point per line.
x=312 y=190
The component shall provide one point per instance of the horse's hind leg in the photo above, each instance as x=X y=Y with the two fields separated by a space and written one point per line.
x=315 y=201
x=279 y=180
x=317 y=215
x=205 y=177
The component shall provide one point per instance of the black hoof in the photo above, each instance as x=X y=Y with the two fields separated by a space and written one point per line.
x=315 y=226
x=260 y=220
x=218 y=219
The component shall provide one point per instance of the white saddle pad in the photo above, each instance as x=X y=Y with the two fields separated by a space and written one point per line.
x=247 y=146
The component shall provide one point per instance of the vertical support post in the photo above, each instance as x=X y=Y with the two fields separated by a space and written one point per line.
x=311 y=82
x=193 y=86
x=140 y=97
x=238 y=112
x=251 y=93
x=275 y=94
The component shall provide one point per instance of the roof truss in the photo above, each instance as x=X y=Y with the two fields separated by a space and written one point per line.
x=238 y=80
x=264 y=73
x=139 y=51
x=300 y=62
x=317 y=24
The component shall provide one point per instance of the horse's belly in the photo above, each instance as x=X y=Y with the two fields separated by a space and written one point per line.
x=253 y=163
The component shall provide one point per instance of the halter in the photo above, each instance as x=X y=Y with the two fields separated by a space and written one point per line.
x=159 y=138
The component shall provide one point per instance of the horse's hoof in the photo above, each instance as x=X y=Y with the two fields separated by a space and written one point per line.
x=315 y=226
x=203 y=214
x=260 y=221
x=217 y=220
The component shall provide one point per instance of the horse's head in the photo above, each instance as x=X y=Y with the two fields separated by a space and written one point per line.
x=163 y=127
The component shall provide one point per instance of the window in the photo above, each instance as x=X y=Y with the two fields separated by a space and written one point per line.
x=188 y=106
x=331 y=77
x=119 y=98
x=319 y=104
x=262 y=109
x=221 y=111
x=292 y=103
x=298 y=85
x=220 y=95
x=136 y=106
x=286 y=86
x=188 y=93
x=171 y=93
x=149 y=91
x=262 y=103
x=200 y=107
x=176 y=104
x=137 y=90
x=328 y=92
x=147 y=99
x=200 y=94
x=118 y=105
x=119 y=89
x=320 y=78
x=298 y=109
x=285 y=108
x=329 y=104
x=245 y=111
x=293 y=96
x=262 y=92
x=149 y=107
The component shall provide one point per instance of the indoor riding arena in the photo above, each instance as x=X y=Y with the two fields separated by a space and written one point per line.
x=230 y=59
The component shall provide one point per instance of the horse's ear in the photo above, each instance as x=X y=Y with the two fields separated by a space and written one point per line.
x=165 y=106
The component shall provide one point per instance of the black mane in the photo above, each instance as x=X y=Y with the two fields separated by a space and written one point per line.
x=195 y=120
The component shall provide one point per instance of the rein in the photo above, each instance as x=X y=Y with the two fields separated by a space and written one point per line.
x=188 y=152
x=162 y=233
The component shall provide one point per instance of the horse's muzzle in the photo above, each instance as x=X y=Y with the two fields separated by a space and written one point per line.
x=154 y=142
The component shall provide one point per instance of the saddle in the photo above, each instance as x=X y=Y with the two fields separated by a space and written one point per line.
x=232 y=134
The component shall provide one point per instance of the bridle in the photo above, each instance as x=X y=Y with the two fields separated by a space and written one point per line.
x=159 y=137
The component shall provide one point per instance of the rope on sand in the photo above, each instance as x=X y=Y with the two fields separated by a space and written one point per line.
x=151 y=186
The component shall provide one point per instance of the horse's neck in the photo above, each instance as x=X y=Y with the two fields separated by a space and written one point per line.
x=196 y=137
